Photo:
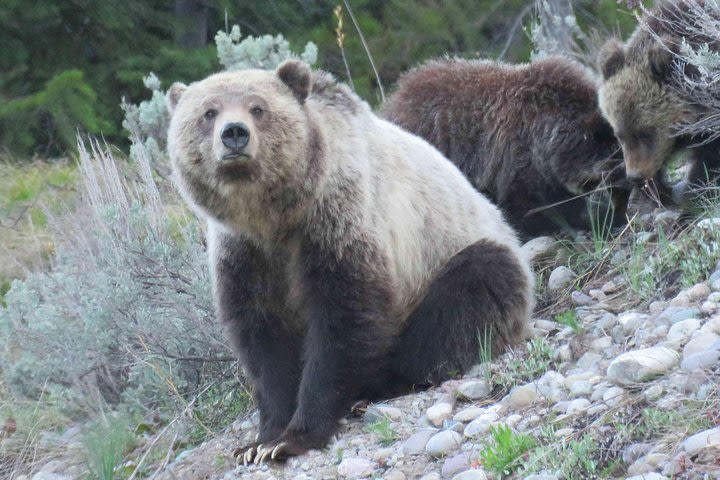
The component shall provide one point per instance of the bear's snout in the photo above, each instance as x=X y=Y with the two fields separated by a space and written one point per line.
x=235 y=136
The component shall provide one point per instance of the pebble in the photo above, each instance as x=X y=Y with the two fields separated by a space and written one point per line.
x=356 y=468
x=443 y=443
x=394 y=474
x=702 y=360
x=711 y=326
x=560 y=278
x=580 y=388
x=469 y=414
x=578 y=405
x=513 y=420
x=455 y=464
x=415 y=445
x=647 y=476
x=700 y=343
x=634 y=451
x=481 y=425
x=580 y=299
x=522 y=396
x=653 y=393
x=609 y=287
x=631 y=321
x=540 y=248
x=683 y=329
x=471 y=475
x=438 y=413
x=642 y=365
x=613 y=396
x=475 y=389
x=376 y=413
x=699 y=441
x=431 y=476
x=683 y=314
x=602 y=343
x=698 y=292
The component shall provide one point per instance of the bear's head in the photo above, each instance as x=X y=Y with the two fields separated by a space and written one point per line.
x=238 y=140
x=640 y=104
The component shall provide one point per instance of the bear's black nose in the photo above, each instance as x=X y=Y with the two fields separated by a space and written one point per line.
x=235 y=135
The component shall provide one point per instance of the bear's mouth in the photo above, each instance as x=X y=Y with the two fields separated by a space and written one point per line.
x=235 y=156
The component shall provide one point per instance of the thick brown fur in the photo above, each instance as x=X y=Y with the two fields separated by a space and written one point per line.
x=350 y=259
x=642 y=97
x=528 y=136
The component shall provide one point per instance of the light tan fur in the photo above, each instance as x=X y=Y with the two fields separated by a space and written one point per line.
x=631 y=100
x=370 y=179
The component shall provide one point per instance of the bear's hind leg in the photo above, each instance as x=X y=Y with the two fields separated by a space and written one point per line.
x=482 y=293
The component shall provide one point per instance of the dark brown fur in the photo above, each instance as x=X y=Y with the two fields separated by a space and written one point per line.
x=527 y=136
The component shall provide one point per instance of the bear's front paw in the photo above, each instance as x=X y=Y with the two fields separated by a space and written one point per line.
x=278 y=451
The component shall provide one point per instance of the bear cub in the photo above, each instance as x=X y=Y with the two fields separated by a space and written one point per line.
x=643 y=97
x=350 y=259
x=531 y=137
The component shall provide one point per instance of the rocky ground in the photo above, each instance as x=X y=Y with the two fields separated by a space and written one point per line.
x=600 y=391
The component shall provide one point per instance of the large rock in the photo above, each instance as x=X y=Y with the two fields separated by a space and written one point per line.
x=560 y=278
x=475 y=389
x=443 y=443
x=643 y=365
x=540 y=248
x=700 y=441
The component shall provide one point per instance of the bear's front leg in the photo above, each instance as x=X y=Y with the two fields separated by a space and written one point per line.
x=350 y=332
x=251 y=292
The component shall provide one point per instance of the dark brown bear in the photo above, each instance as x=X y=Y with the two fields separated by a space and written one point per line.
x=531 y=136
x=643 y=98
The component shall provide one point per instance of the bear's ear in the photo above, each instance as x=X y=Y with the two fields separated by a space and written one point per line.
x=296 y=75
x=660 y=59
x=611 y=58
x=174 y=94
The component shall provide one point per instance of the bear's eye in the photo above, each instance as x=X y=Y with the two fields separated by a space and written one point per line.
x=257 y=112
x=210 y=114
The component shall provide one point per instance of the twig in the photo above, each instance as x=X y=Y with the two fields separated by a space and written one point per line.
x=367 y=50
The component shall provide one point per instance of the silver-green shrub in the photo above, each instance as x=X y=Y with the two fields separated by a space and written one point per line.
x=124 y=315
x=698 y=75
x=554 y=30
x=265 y=52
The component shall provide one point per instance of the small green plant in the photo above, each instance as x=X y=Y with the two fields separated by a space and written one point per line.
x=384 y=430
x=567 y=459
x=569 y=318
x=106 y=442
x=537 y=360
x=503 y=453
x=485 y=352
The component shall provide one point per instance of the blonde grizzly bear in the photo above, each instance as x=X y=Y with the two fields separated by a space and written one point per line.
x=530 y=136
x=350 y=259
x=643 y=98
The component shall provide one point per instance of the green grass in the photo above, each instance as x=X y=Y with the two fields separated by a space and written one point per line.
x=571 y=459
x=26 y=191
x=106 y=443
x=536 y=361
x=570 y=319
x=384 y=430
x=503 y=453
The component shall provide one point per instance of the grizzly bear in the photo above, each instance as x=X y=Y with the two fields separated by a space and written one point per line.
x=350 y=259
x=643 y=98
x=530 y=137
